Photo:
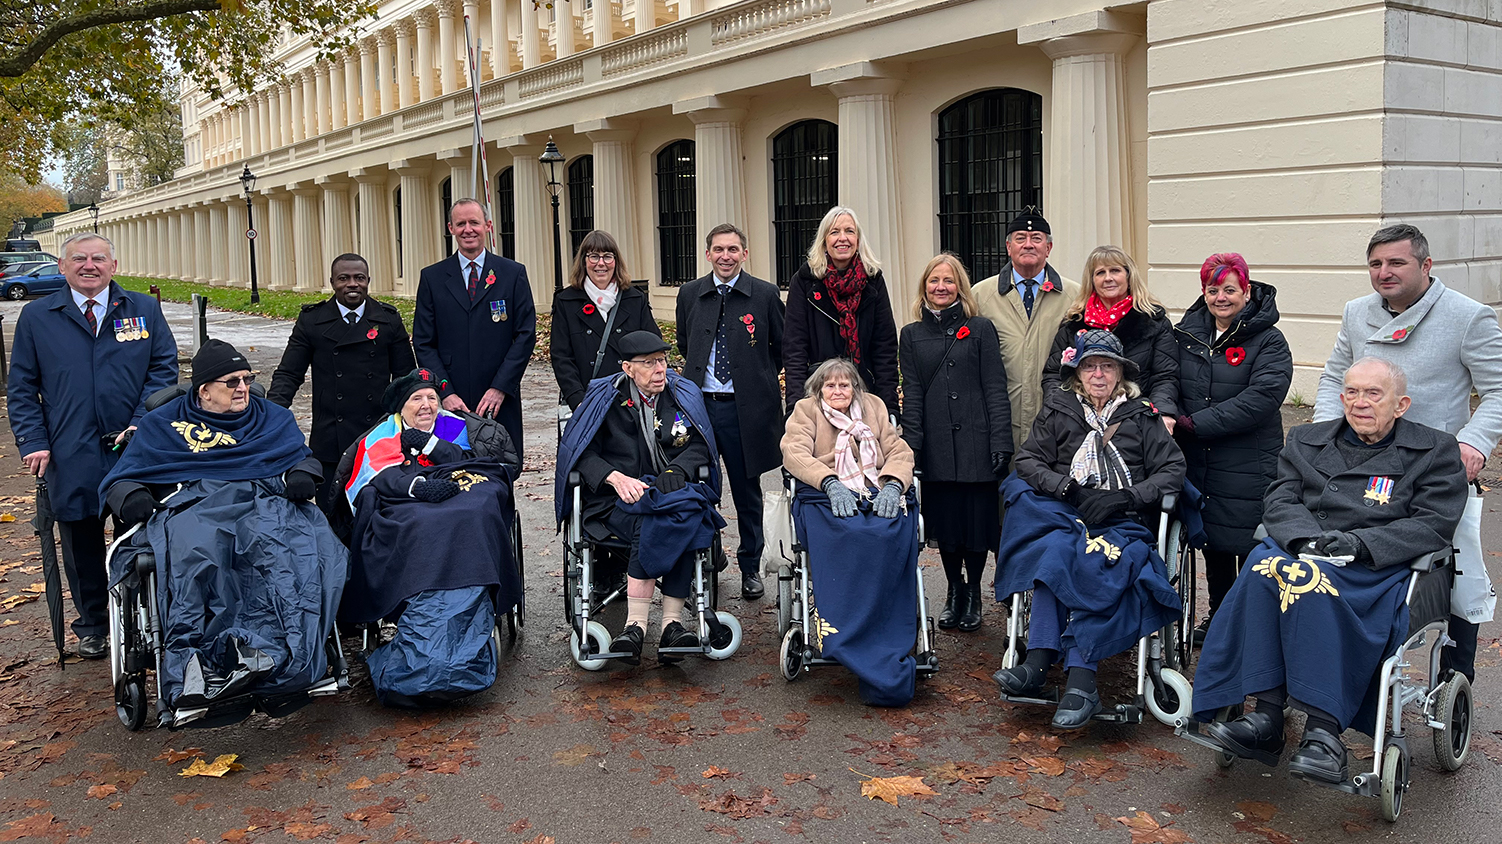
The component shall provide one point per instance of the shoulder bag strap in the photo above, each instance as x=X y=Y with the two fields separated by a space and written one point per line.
x=605 y=338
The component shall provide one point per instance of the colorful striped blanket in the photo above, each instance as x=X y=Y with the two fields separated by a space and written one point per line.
x=382 y=447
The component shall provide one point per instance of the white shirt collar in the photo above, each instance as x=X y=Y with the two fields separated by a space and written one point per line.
x=345 y=312
x=79 y=298
x=464 y=264
x=730 y=283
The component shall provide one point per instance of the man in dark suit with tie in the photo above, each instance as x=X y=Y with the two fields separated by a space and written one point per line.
x=730 y=333
x=475 y=326
x=356 y=346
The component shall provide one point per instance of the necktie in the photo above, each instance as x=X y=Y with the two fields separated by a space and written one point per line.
x=1027 y=297
x=721 y=356
x=474 y=282
x=88 y=314
x=351 y=317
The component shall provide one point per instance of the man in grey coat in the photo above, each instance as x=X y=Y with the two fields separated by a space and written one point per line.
x=730 y=334
x=1448 y=344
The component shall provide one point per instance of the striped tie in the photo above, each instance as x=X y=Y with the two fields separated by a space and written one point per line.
x=88 y=314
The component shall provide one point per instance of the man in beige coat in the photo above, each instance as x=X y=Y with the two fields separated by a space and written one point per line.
x=1027 y=302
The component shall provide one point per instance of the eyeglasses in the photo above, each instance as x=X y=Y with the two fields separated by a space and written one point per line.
x=234 y=382
x=651 y=363
x=600 y=257
x=1099 y=366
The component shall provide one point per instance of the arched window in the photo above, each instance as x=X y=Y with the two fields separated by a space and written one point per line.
x=581 y=202
x=505 y=211
x=676 y=213
x=990 y=167
x=805 y=158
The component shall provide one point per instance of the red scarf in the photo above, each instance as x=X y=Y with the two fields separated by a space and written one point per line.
x=1097 y=315
x=845 y=288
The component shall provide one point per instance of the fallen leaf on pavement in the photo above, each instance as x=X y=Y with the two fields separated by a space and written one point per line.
x=715 y=771
x=575 y=755
x=99 y=792
x=1146 y=830
x=217 y=768
x=891 y=788
x=172 y=757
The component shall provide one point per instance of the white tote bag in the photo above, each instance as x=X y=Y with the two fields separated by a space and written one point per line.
x=777 y=530
x=1472 y=598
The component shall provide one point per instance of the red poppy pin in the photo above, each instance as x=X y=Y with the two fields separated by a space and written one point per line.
x=371 y=334
x=1235 y=355
x=1400 y=334
x=589 y=309
x=962 y=333
x=1046 y=286
x=817 y=297
x=628 y=403
x=490 y=278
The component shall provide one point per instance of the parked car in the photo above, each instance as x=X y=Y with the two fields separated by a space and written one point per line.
x=32 y=257
x=41 y=279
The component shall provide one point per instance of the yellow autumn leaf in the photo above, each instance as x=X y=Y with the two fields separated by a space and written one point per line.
x=217 y=768
x=7 y=517
x=890 y=788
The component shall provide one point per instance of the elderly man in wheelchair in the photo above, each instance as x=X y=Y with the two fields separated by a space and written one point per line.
x=1326 y=598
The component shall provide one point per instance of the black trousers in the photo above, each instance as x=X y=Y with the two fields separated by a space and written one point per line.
x=83 y=561
x=1461 y=657
x=745 y=489
x=329 y=498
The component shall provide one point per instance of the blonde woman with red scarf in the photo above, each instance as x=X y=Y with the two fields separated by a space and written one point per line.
x=1114 y=296
x=838 y=307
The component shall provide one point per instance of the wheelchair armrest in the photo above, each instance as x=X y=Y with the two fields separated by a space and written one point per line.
x=702 y=476
x=1431 y=561
x=574 y=478
x=1170 y=502
x=1260 y=533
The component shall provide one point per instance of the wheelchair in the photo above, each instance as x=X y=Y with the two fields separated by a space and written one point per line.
x=1443 y=701
x=589 y=641
x=795 y=606
x=1162 y=690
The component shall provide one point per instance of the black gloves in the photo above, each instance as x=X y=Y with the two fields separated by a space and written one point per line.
x=1000 y=461
x=137 y=507
x=300 y=486
x=1185 y=422
x=1099 y=505
x=1336 y=543
x=841 y=499
x=1072 y=493
x=435 y=490
x=670 y=480
x=888 y=501
x=414 y=440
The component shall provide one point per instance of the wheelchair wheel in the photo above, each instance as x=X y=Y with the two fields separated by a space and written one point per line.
x=784 y=599
x=731 y=636
x=1394 y=780
x=1173 y=700
x=1453 y=744
x=130 y=702
x=792 y=653
x=599 y=639
x=518 y=615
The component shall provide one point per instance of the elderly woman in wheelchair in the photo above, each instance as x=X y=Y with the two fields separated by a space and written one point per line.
x=1326 y=598
x=1098 y=460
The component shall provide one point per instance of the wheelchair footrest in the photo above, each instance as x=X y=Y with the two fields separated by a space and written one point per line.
x=699 y=651
x=1121 y=713
x=1369 y=786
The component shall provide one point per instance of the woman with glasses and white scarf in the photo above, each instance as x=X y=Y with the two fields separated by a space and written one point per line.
x=597 y=300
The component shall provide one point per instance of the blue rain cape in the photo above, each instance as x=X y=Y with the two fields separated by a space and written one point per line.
x=864 y=571
x=590 y=414
x=672 y=525
x=443 y=649
x=1318 y=629
x=1113 y=582
x=248 y=584
x=403 y=546
x=180 y=442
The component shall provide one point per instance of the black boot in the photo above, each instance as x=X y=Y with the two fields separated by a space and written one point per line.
x=953 y=606
x=970 y=619
x=1321 y=756
x=1256 y=735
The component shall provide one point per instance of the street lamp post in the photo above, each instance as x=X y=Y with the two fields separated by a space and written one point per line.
x=552 y=157
x=94 y=210
x=248 y=181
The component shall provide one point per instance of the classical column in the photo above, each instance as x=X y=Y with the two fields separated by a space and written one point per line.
x=423 y=20
x=338 y=237
x=1088 y=154
x=246 y=127
x=615 y=188
x=534 y=226
x=309 y=103
x=196 y=246
x=275 y=249
x=307 y=239
x=175 y=221
x=383 y=72
x=645 y=16
x=351 y=106
x=375 y=228
x=446 y=52
x=471 y=10
x=405 y=93
x=461 y=175
x=868 y=164
x=719 y=179
x=236 y=258
x=500 y=41
x=420 y=221
x=368 y=106
x=604 y=28
x=264 y=120
x=218 y=272
x=563 y=36
x=335 y=73
x=531 y=43
x=293 y=114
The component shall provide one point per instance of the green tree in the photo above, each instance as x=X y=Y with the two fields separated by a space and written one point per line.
x=85 y=162
x=19 y=200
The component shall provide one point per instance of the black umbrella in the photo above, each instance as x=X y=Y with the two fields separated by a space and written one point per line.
x=43 y=522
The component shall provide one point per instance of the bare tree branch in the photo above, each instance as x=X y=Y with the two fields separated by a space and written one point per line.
x=21 y=61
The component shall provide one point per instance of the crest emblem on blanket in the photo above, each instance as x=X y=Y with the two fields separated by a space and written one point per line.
x=201 y=437
x=821 y=628
x=1099 y=545
x=467 y=480
x=1378 y=491
x=1295 y=579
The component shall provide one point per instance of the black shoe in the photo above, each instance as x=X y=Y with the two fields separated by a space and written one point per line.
x=629 y=642
x=1022 y=680
x=1198 y=637
x=950 y=617
x=1254 y=735
x=1076 y=708
x=751 y=588
x=1320 y=757
x=93 y=647
x=675 y=635
x=970 y=618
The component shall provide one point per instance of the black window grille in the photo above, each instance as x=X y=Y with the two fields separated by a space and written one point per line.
x=676 y=213
x=505 y=211
x=990 y=168
x=581 y=201
x=396 y=207
x=805 y=159
x=446 y=199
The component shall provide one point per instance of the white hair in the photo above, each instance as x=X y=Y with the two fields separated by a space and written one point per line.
x=1394 y=372
x=82 y=237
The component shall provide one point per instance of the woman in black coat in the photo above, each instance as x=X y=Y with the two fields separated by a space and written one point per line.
x=838 y=306
x=598 y=284
x=1114 y=296
x=958 y=421
x=1234 y=372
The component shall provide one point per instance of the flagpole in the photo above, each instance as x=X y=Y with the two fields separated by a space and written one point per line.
x=478 y=163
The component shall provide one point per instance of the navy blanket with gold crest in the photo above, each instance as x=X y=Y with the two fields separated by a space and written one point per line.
x=180 y=441
x=1320 y=630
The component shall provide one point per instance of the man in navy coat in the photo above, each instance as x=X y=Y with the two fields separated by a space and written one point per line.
x=475 y=326
x=84 y=361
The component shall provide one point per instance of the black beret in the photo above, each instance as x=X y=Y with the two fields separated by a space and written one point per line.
x=215 y=360
x=402 y=389
x=1028 y=221
x=641 y=343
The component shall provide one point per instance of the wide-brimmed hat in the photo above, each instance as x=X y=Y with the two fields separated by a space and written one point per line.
x=1098 y=342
